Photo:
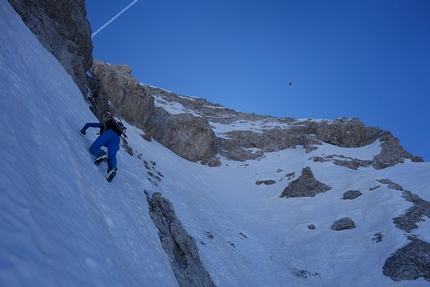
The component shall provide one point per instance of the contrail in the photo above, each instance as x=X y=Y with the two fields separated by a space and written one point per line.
x=113 y=18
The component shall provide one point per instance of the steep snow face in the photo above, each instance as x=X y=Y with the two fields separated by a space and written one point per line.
x=62 y=224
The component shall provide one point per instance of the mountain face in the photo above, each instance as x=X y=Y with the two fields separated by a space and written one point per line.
x=194 y=129
x=235 y=199
x=200 y=131
x=63 y=29
x=190 y=131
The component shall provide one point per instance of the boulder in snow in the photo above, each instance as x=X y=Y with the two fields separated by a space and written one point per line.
x=351 y=194
x=342 y=224
x=305 y=186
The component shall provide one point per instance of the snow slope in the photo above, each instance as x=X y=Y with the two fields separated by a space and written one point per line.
x=63 y=224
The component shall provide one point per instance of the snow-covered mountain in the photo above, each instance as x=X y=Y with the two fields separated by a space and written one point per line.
x=63 y=224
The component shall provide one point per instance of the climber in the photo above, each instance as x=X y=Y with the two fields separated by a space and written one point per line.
x=110 y=133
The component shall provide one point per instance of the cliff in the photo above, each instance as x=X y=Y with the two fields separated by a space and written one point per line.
x=63 y=29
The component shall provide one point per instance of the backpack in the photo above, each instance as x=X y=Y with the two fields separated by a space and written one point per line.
x=113 y=125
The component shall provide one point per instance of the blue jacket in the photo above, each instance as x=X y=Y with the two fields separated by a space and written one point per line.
x=92 y=125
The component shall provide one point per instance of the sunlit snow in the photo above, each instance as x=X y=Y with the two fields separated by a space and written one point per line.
x=173 y=107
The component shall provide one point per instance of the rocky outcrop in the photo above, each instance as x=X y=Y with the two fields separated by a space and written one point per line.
x=351 y=194
x=343 y=224
x=265 y=182
x=305 y=186
x=63 y=29
x=349 y=133
x=345 y=132
x=409 y=262
x=270 y=140
x=186 y=135
x=123 y=91
x=180 y=247
x=392 y=153
x=420 y=208
x=341 y=160
x=309 y=134
x=413 y=260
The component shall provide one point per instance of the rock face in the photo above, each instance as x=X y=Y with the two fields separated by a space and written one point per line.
x=341 y=132
x=409 y=262
x=305 y=186
x=413 y=260
x=345 y=132
x=190 y=130
x=392 y=153
x=63 y=29
x=178 y=244
x=421 y=209
x=188 y=136
x=128 y=97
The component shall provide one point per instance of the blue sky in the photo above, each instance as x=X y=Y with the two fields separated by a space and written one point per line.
x=365 y=59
